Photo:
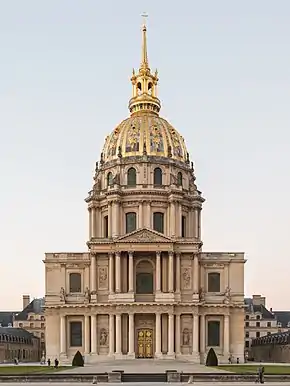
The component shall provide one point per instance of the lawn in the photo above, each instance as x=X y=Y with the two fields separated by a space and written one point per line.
x=14 y=369
x=252 y=369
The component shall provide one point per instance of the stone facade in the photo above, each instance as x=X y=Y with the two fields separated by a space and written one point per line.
x=32 y=319
x=259 y=321
x=145 y=288
x=272 y=348
x=18 y=343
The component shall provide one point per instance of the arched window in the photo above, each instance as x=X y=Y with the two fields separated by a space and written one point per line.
x=144 y=278
x=75 y=282
x=106 y=226
x=109 y=179
x=157 y=176
x=131 y=177
x=158 y=222
x=213 y=282
x=130 y=222
x=179 y=179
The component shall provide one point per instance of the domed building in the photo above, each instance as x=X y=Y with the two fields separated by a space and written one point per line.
x=144 y=288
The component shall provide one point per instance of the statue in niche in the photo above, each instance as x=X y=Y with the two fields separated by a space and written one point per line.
x=201 y=294
x=227 y=295
x=185 y=337
x=62 y=294
x=186 y=277
x=87 y=294
x=103 y=337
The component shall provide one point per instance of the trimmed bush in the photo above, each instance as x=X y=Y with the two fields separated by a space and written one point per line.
x=211 y=359
x=78 y=360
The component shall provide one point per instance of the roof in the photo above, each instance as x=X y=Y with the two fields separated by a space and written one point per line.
x=16 y=332
x=260 y=308
x=7 y=317
x=283 y=317
x=36 y=306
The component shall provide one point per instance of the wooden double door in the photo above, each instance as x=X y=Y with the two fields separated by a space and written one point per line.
x=145 y=343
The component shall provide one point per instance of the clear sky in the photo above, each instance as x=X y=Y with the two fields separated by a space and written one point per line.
x=224 y=70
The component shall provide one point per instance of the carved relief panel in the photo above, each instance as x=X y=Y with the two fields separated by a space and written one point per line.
x=186 y=278
x=103 y=278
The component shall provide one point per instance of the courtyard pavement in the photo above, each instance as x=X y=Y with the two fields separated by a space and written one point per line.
x=143 y=366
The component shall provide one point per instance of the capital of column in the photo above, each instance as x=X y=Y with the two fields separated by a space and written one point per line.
x=170 y=254
x=158 y=253
x=117 y=253
x=131 y=254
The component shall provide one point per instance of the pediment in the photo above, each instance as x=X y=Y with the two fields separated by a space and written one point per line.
x=144 y=235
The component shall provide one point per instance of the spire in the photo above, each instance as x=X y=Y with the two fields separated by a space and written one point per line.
x=144 y=58
x=144 y=98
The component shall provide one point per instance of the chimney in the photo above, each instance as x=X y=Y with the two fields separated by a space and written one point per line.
x=259 y=300
x=25 y=300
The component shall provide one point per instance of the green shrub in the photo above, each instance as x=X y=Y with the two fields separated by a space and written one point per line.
x=78 y=360
x=211 y=359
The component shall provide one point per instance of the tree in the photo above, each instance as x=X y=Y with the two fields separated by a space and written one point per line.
x=211 y=359
x=78 y=360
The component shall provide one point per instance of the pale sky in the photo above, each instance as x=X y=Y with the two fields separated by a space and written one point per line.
x=224 y=69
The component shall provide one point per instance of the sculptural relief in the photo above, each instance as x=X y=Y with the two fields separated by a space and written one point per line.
x=62 y=294
x=186 y=278
x=201 y=294
x=103 y=337
x=87 y=294
x=186 y=337
x=227 y=295
x=103 y=277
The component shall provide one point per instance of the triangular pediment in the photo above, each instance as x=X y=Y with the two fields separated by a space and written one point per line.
x=144 y=235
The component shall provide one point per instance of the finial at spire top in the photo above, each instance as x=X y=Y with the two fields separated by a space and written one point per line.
x=144 y=58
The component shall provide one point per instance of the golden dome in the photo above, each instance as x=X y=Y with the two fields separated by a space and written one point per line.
x=144 y=133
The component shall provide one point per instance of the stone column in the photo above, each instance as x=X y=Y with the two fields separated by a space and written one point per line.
x=131 y=335
x=118 y=271
x=170 y=335
x=111 y=273
x=226 y=275
x=131 y=273
x=93 y=218
x=196 y=225
x=111 y=334
x=195 y=274
x=170 y=272
x=93 y=334
x=149 y=215
x=226 y=335
x=109 y=219
x=178 y=219
x=93 y=273
x=177 y=334
x=195 y=334
x=90 y=223
x=118 y=334
x=172 y=218
x=177 y=258
x=140 y=219
x=87 y=334
x=158 y=335
x=158 y=272
x=202 y=335
x=115 y=219
x=62 y=334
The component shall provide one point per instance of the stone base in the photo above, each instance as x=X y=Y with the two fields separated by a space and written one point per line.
x=126 y=297
x=94 y=298
x=195 y=298
x=164 y=297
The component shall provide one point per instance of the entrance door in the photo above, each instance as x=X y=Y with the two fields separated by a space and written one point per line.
x=145 y=343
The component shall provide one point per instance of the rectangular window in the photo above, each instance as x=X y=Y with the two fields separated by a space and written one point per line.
x=247 y=334
x=268 y=324
x=158 y=222
x=257 y=324
x=130 y=222
x=106 y=227
x=213 y=333
x=76 y=334
x=213 y=282
x=247 y=324
x=247 y=344
x=257 y=334
x=183 y=226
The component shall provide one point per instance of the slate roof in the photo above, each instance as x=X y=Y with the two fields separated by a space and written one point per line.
x=17 y=332
x=7 y=317
x=283 y=317
x=253 y=308
x=36 y=306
